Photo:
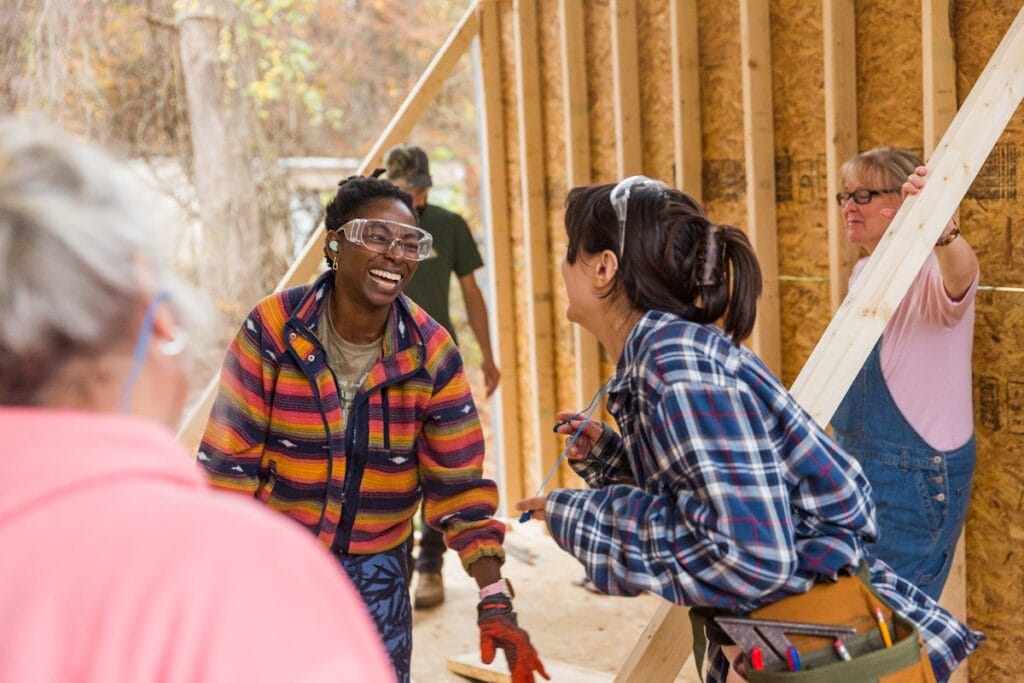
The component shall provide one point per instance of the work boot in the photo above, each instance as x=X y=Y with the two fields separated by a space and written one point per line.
x=429 y=590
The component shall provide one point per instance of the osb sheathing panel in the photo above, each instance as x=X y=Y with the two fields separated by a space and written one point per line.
x=655 y=58
x=598 y=38
x=800 y=176
x=889 y=110
x=992 y=221
x=721 y=103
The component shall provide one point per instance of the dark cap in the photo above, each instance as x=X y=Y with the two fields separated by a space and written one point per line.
x=408 y=165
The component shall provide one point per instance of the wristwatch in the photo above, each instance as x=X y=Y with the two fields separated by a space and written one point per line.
x=499 y=586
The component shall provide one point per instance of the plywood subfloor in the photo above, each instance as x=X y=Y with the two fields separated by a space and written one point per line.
x=567 y=624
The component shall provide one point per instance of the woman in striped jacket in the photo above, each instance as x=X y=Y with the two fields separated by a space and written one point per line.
x=342 y=403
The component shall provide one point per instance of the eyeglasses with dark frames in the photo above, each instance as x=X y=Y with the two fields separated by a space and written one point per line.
x=861 y=196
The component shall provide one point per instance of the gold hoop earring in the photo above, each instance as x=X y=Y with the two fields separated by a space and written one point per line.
x=334 y=265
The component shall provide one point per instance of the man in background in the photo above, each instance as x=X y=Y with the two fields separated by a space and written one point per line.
x=454 y=251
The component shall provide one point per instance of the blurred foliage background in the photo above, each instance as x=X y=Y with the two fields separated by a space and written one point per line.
x=209 y=97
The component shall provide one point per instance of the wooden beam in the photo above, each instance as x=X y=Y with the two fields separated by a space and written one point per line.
x=626 y=88
x=686 y=124
x=839 y=28
x=308 y=262
x=759 y=159
x=670 y=636
x=911 y=236
x=499 y=248
x=535 y=234
x=939 y=70
x=472 y=667
x=576 y=108
x=939 y=90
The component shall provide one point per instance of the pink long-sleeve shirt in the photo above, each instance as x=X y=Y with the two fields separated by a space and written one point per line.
x=926 y=358
x=119 y=563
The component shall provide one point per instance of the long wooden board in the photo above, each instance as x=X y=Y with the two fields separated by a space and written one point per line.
x=501 y=274
x=759 y=162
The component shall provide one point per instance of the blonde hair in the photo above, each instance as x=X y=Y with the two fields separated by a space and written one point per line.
x=884 y=168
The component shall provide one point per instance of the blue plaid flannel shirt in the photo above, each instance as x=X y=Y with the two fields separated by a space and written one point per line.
x=741 y=497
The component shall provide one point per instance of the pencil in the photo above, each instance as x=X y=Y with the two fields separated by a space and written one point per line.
x=883 y=627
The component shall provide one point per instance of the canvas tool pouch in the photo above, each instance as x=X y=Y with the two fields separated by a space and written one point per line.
x=848 y=602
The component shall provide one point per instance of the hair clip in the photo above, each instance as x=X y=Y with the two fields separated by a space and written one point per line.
x=710 y=257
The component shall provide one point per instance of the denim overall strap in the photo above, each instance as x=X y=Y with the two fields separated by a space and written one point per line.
x=920 y=493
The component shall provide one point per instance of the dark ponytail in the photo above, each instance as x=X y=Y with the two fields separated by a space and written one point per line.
x=741 y=281
x=674 y=259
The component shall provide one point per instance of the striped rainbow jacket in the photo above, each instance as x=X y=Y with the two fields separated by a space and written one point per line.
x=413 y=430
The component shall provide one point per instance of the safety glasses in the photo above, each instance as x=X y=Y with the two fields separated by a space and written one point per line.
x=383 y=236
x=620 y=201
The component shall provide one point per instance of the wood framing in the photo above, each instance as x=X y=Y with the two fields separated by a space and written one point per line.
x=663 y=647
x=499 y=242
x=626 y=88
x=759 y=161
x=686 y=128
x=307 y=264
x=535 y=236
x=839 y=29
x=939 y=74
x=577 y=168
x=939 y=97
x=861 y=318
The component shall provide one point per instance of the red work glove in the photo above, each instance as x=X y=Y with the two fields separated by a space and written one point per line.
x=498 y=628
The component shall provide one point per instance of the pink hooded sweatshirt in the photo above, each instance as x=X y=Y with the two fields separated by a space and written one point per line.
x=118 y=563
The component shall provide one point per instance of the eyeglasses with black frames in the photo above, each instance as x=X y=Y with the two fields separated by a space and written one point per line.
x=861 y=196
x=382 y=236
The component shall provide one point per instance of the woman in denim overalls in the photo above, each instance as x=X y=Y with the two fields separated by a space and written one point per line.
x=908 y=416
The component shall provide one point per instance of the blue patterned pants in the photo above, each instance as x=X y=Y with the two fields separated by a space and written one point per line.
x=383 y=582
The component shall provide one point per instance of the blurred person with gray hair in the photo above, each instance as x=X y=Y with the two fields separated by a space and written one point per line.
x=120 y=563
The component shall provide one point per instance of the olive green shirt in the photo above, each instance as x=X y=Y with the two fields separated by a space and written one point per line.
x=454 y=251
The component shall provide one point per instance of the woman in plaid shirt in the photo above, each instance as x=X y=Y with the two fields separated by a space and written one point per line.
x=721 y=490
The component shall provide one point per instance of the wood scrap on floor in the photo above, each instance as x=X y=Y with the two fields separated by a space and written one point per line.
x=470 y=666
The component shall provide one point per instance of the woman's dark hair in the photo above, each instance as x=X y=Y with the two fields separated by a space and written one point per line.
x=356 y=191
x=674 y=258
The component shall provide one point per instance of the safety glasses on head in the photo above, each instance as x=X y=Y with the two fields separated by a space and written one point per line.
x=381 y=236
x=620 y=201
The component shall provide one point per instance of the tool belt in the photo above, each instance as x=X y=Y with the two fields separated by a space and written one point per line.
x=849 y=602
